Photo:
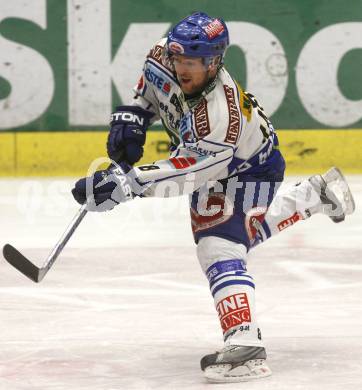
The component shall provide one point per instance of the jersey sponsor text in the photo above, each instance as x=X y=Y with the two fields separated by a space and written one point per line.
x=202 y=123
x=233 y=130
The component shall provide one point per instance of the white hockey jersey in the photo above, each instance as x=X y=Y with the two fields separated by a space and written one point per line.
x=218 y=134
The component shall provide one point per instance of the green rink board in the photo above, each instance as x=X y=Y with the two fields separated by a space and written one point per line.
x=66 y=64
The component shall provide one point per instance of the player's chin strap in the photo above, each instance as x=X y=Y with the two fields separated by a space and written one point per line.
x=217 y=61
x=194 y=99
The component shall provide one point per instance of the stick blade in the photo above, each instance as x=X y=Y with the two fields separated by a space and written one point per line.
x=21 y=263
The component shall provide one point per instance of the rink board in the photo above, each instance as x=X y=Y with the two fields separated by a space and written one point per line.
x=70 y=153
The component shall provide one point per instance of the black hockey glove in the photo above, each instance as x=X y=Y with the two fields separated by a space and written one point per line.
x=104 y=189
x=128 y=133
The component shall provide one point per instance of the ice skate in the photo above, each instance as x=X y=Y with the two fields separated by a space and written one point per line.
x=235 y=364
x=335 y=195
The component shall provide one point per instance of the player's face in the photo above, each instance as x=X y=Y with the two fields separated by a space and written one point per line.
x=191 y=73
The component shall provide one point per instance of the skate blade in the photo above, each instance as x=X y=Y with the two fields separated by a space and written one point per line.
x=335 y=178
x=224 y=373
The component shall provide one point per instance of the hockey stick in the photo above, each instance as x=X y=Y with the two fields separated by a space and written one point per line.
x=26 y=267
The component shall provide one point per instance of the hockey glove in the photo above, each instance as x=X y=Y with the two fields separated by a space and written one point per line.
x=128 y=133
x=104 y=189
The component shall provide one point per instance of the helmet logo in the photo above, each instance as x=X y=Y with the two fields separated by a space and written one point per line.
x=176 y=48
x=214 y=29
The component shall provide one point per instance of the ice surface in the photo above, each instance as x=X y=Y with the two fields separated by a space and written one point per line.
x=127 y=307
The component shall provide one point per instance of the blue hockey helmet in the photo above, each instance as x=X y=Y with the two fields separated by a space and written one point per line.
x=198 y=35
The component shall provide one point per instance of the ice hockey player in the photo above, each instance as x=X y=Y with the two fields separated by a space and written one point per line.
x=224 y=153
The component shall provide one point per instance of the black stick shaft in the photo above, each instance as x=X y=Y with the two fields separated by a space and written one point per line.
x=64 y=239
